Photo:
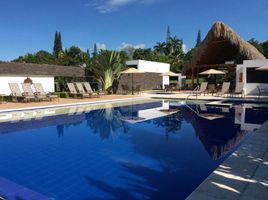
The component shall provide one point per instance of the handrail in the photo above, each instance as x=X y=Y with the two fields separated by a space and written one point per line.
x=196 y=89
x=185 y=101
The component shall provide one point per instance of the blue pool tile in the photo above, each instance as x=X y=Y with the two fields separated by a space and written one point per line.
x=13 y=191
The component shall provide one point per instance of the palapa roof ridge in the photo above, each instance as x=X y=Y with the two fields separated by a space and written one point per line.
x=222 y=32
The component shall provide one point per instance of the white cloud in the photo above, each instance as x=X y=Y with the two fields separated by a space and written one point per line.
x=101 y=46
x=125 y=45
x=184 y=48
x=130 y=48
x=108 y=6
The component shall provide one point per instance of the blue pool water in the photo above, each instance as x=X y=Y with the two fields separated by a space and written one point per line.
x=156 y=150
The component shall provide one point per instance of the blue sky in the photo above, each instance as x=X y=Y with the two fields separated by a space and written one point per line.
x=29 y=25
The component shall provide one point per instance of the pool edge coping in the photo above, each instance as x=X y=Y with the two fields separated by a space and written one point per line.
x=74 y=104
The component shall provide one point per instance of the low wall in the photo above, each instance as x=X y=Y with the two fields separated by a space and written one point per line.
x=147 y=81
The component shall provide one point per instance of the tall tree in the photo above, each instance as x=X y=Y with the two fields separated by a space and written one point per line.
x=95 y=50
x=168 y=35
x=265 y=49
x=256 y=44
x=57 y=44
x=175 y=44
x=160 y=48
x=198 y=39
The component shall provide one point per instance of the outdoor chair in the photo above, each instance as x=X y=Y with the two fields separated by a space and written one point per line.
x=238 y=89
x=28 y=91
x=74 y=92
x=168 y=88
x=16 y=93
x=89 y=90
x=125 y=89
x=202 y=89
x=224 y=90
x=262 y=92
x=81 y=90
x=138 y=89
x=40 y=91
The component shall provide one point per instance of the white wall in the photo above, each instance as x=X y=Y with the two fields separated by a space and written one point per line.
x=47 y=82
x=155 y=67
x=250 y=88
x=154 y=113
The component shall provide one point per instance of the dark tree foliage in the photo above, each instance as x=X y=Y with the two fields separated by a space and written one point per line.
x=57 y=44
x=41 y=57
x=168 y=35
x=256 y=44
x=95 y=51
x=265 y=49
x=198 y=39
x=143 y=54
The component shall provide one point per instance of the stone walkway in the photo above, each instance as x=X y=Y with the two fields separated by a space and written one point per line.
x=243 y=176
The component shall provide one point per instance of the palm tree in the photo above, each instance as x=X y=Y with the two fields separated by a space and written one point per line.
x=160 y=48
x=107 y=66
x=174 y=44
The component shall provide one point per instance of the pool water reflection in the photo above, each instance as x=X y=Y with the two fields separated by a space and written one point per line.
x=150 y=150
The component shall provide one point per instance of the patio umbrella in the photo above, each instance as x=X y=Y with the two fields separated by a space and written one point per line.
x=169 y=74
x=132 y=71
x=263 y=68
x=212 y=72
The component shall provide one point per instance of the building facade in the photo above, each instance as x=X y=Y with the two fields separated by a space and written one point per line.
x=251 y=78
x=11 y=72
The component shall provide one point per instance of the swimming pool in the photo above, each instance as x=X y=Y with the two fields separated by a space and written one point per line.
x=150 y=149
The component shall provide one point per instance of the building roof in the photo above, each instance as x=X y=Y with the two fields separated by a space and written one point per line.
x=137 y=62
x=29 y=69
x=222 y=44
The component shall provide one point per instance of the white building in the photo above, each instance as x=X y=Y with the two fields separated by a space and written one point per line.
x=11 y=72
x=153 y=67
x=247 y=74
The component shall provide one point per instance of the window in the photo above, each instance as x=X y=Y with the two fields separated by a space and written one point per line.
x=255 y=76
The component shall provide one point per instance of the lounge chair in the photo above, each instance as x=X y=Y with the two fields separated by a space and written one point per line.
x=16 y=93
x=74 y=92
x=28 y=91
x=40 y=91
x=262 y=92
x=81 y=90
x=202 y=89
x=89 y=90
x=224 y=90
x=238 y=89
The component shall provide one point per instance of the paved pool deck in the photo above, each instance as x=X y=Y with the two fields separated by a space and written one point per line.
x=243 y=176
x=59 y=102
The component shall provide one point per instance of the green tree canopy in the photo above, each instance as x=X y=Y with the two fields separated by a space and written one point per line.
x=198 y=39
x=57 y=44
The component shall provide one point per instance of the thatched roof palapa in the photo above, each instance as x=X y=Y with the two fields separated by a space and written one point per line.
x=220 y=45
